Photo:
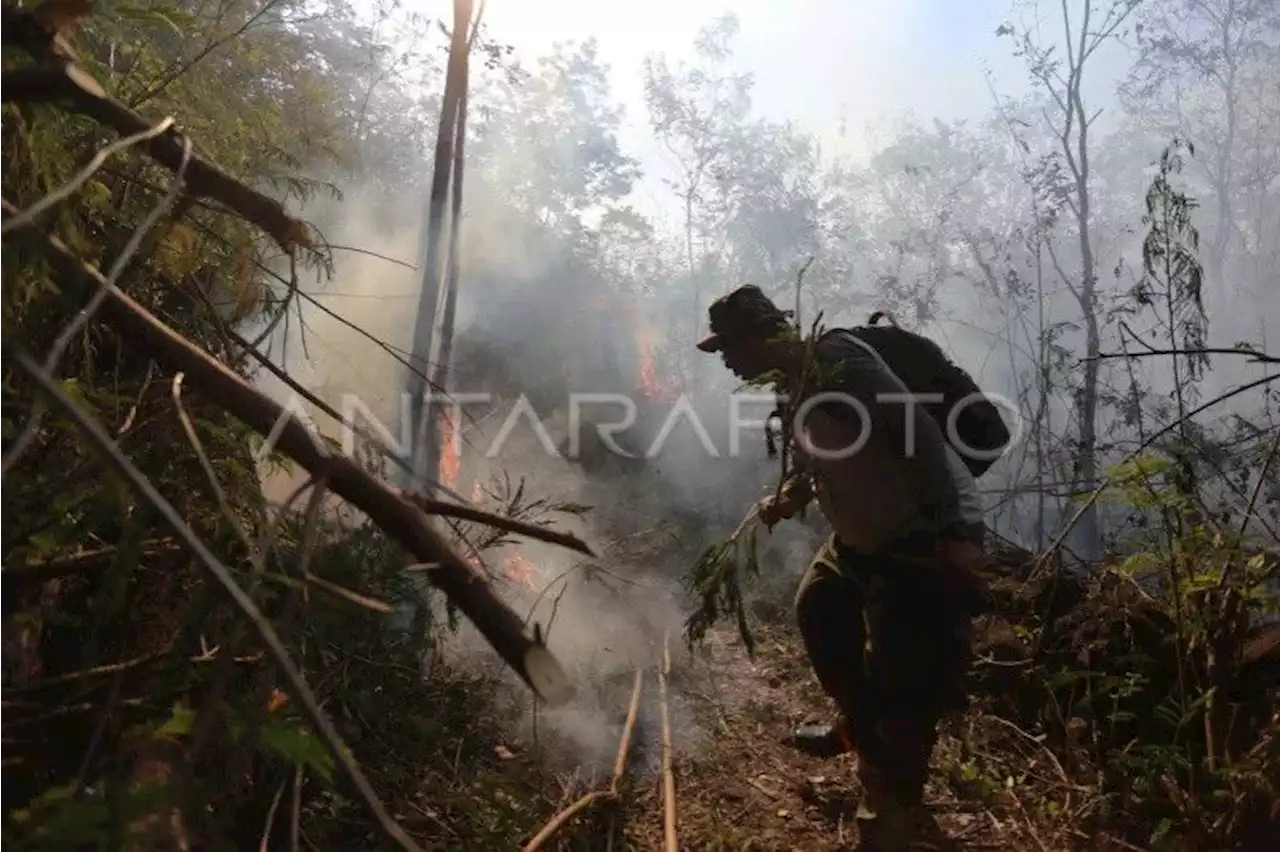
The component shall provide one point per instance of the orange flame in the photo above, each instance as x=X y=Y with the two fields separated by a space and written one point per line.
x=450 y=461
x=518 y=569
x=649 y=384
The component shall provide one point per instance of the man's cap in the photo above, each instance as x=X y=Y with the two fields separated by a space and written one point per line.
x=744 y=314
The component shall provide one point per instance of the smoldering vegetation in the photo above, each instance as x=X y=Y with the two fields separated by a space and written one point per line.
x=1113 y=279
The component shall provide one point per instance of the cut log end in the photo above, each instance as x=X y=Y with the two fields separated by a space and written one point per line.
x=548 y=678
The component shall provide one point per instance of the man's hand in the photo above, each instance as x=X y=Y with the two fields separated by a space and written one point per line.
x=773 y=508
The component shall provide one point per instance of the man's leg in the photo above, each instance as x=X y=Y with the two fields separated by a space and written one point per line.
x=920 y=643
x=830 y=617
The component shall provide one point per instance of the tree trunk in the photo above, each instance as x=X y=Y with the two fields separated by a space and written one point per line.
x=426 y=453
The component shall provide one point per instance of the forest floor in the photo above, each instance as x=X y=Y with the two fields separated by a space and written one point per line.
x=741 y=786
x=745 y=787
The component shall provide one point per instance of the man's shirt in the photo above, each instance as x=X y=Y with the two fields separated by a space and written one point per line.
x=903 y=478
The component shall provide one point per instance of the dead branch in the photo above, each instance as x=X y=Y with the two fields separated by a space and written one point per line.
x=1253 y=355
x=624 y=745
x=479 y=516
x=355 y=250
x=465 y=587
x=558 y=821
x=58 y=79
x=76 y=563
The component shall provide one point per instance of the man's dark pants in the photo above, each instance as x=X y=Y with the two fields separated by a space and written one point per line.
x=894 y=693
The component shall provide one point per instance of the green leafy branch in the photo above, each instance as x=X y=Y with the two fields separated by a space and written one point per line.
x=716 y=580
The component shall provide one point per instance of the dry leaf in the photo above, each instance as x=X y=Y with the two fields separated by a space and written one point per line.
x=295 y=234
x=56 y=16
x=277 y=700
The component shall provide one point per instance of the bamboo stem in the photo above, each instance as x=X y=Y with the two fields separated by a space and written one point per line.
x=611 y=794
x=668 y=779
x=624 y=744
x=557 y=821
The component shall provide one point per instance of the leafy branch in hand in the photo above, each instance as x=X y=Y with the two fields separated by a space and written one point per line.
x=717 y=581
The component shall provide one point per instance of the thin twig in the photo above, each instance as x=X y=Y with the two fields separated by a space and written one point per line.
x=479 y=516
x=1062 y=773
x=557 y=821
x=193 y=438
x=347 y=594
x=355 y=250
x=61 y=566
x=1253 y=355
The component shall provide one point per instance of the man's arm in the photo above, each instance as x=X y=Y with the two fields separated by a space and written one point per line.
x=795 y=494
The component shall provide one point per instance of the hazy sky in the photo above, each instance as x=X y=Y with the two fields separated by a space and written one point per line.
x=828 y=65
x=813 y=59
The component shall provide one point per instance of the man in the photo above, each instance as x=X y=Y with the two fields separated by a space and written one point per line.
x=907 y=529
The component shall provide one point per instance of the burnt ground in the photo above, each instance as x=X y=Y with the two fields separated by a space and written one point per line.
x=740 y=786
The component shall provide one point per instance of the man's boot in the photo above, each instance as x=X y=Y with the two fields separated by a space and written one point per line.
x=825 y=740
x=885 y=823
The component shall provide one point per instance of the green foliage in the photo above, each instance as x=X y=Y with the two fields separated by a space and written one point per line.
x=1173 y=278
x=716 y=581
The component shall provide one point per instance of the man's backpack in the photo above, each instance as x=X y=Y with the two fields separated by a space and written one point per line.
x=925 y=369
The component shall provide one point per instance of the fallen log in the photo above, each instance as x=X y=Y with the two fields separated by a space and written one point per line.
x=468 y=589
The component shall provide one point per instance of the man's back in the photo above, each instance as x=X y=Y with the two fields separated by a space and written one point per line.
x=904 y=479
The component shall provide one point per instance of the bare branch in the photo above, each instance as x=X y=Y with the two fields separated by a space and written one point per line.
x=355 y=250
x=1253 y=355
x=479 y=516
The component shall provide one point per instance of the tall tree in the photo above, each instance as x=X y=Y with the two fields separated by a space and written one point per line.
x=1058 y=69
x=547 y=141
x=1206 y=71
x=696 y=111
x=426 y=451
